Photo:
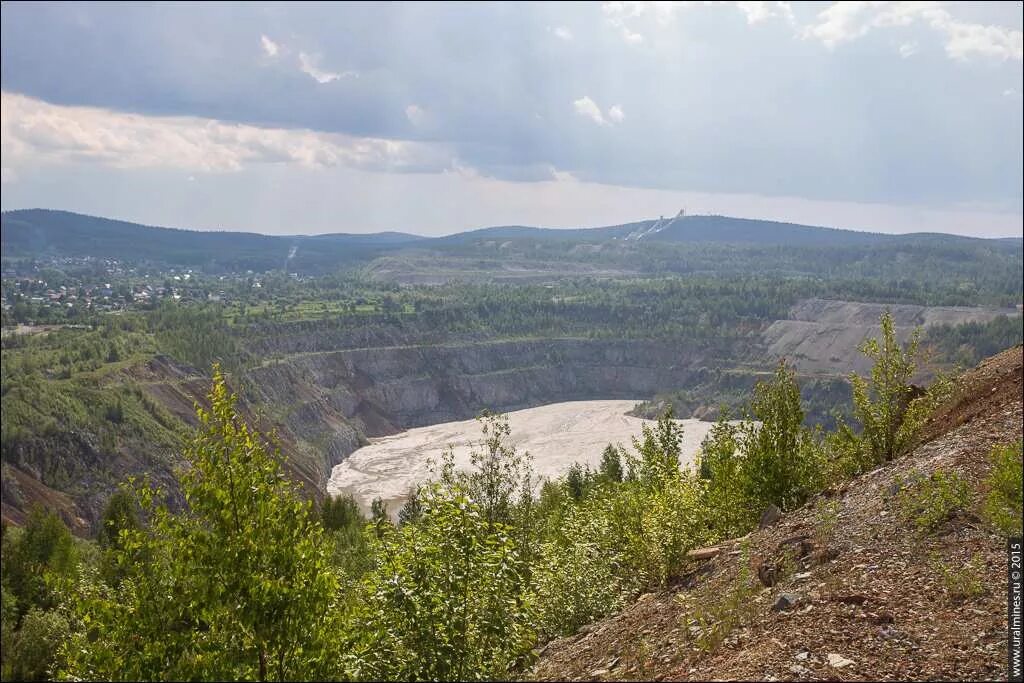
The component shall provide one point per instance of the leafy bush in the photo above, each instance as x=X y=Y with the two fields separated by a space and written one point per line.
x=881 y=405
x=34 y=647
x=582 y=573
x=238 y=585
x=929 y=502
x=782 y=460
x=962 y=581
x=43 y=549
x=445 y=599
x=1003 y=504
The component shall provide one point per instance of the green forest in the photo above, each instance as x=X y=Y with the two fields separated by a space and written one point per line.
x=250 y=580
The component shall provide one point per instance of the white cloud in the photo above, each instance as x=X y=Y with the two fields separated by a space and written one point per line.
x=34 y=132
x=563 y=33
x=308 y=65
x=964 y=40
x=415 y=114
x=757 y=12
x=847 y=21
x=585 y=106
x=1011 y=92
x=269 y=47
x=909 y=49
x=562 y=176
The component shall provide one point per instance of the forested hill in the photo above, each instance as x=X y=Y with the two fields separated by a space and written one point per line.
x=40 y=232
x=35 y=233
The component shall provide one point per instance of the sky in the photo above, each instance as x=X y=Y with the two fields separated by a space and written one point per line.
x=429 y=118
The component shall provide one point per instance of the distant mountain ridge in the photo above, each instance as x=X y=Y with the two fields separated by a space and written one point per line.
x=43 y=232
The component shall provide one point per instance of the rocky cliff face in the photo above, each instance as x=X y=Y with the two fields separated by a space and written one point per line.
x=328 y=403
x=323 y=405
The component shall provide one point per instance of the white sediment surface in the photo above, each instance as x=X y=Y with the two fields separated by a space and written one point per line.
x=555 y=435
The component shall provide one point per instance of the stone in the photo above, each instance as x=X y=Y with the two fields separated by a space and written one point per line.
x=769 y=517
x=704 y=553
x=785 y=601
x=837 y=661
x=802 y=656
x=768 y=574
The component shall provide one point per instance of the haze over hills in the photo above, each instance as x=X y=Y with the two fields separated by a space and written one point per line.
x=40 y=232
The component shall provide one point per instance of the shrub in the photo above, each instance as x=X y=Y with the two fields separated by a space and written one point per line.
x=237 y=585
x=1003 y=503
x=43 y=548
x=581 y=573
x=611 y=464
x=445 y=599
x=34 y=647
x=962 y=581
x=720 y=465
x=340 y=512
x=929 y=502
x=782 y=460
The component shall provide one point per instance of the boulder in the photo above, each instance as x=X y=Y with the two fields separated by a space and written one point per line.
x=769 y=517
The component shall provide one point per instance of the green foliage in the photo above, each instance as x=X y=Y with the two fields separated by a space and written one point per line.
x=967 y=344
x=881 y=404
x=238 y=585
x=340 y=512
x=33 y=649
x=783 y=461
x=1004 y=501
x=929 y=502
x=498 y=474
x=445 y=600
x=379 y=511
x=582 y=573
x=721 y=465
x=412 y=509
x=611 y=464
x=962 y=581
x=120 y=513
x=42 y=551
x=709 y=623
x=657 y=452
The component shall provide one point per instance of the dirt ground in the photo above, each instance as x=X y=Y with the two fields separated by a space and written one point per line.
x=868 y=598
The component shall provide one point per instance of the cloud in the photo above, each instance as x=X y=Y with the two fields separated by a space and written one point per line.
x=964 y=40
x=563 y=33
x=269 y=47
x=587 y=107
x=844 y=22
x=415 y=114
x=36 y=132
x=756 y=12
x=308 y=65
x=909 y=49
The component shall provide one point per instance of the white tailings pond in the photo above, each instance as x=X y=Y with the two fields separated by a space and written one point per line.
x=555 y=435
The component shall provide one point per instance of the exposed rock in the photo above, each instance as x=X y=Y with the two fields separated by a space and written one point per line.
x=785 y=601
x=769 y=517
x=838 y=661
x=704 y=553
